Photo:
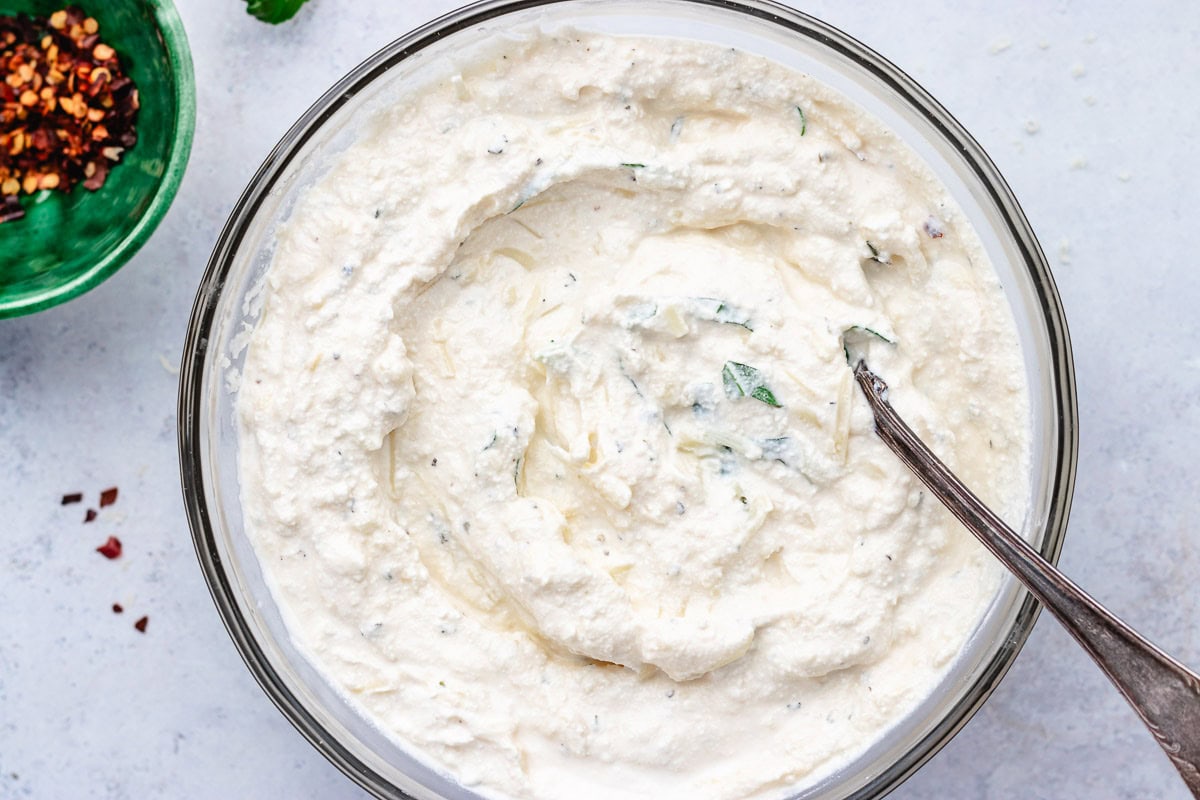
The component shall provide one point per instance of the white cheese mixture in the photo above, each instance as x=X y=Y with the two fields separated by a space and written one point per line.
x=550 y=449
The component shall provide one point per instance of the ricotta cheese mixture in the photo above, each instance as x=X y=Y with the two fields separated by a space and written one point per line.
x=550 y=450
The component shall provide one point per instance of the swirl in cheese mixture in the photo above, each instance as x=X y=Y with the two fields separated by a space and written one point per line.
x=550 y=449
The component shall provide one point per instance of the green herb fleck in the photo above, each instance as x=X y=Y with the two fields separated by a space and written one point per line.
x=634 y=166
x=676 y=128
x=640 y=314
x=875 y=254
x=871 y=331
x=732 y=316
x=763 y=394
x=857 y=333
x=742 y=380
x=273 y=11
x=776 y=449
x=803 y=121
x=710 y=308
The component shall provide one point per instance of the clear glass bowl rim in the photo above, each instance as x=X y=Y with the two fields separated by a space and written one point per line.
x=196 y=352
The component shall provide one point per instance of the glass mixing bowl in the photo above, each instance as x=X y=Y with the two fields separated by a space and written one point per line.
x=227 y=304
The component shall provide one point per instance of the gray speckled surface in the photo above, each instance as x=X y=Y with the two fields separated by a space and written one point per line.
x=1089 y=110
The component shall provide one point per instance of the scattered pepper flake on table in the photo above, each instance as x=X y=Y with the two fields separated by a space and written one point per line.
x=68 y=111
x=74 y=497
x=110 y=549
x=141 y=624
x=89 y=516
x=118 y=608
x=108 y=497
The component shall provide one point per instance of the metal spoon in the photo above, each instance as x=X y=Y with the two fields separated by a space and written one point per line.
x=1163 y=692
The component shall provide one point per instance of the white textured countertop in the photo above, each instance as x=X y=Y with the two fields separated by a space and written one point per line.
x=1090 y=111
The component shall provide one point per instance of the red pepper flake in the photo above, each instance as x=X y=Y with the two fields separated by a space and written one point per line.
x=108 y=497
x=90 y=515
x=118 y=608
x=68 y=111
x=75 y=497
x=110 y=549
x=141 y=624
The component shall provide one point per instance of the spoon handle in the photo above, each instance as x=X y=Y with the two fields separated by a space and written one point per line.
x=1163 y=692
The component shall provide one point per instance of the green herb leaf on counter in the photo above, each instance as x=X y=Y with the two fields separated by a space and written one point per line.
x=803 y=120
x=633 y=166
x=742 y=380
x=273 y=11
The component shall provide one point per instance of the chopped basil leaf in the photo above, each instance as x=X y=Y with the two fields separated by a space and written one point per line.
x=273 y=11
x=710 y=308
x=732 y=316
x=871 y=331
x=803 y=121
x=742 y=380
x=735 y=376
x=763 y=394
x=640 y=313
x=855 y=337
x=634 y=166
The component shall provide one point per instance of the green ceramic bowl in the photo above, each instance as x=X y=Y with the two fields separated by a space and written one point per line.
x=68 y=243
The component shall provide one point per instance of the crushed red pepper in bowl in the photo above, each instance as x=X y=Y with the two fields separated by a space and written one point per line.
x=68 y=111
